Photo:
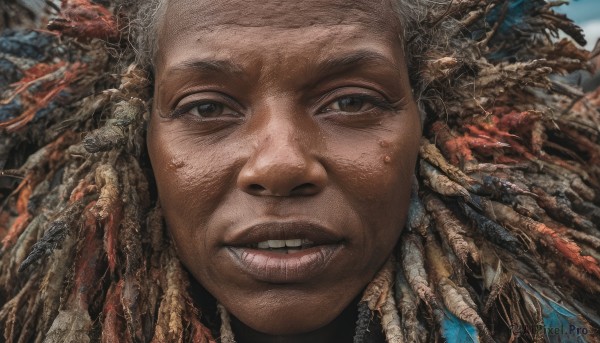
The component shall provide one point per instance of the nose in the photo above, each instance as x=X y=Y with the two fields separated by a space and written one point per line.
x=281 y=165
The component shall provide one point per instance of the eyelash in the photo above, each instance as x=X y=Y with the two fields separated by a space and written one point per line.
x=185 y=109
x=376 y=102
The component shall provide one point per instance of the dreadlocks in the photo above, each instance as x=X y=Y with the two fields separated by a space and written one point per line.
x=502 y=237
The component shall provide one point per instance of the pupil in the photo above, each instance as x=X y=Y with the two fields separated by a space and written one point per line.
x=209 y=109
x=351 y=104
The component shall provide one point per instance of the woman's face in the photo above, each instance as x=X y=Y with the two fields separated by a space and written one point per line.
x=283 y=140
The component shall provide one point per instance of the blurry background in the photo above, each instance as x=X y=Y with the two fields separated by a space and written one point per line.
x=586 y=13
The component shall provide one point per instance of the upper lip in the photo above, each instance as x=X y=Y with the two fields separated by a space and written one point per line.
x=282 y=230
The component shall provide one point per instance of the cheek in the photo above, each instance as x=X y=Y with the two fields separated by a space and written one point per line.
x=376 y=176
x=190 y=181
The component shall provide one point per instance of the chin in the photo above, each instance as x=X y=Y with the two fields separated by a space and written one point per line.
x=281 y=320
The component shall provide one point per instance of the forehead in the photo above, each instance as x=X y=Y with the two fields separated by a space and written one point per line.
x=195 y=15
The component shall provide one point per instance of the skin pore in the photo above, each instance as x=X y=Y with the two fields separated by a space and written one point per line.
x=283 y=120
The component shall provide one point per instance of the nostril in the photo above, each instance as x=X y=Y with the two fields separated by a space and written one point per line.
x=256 y=188
x=304 y=189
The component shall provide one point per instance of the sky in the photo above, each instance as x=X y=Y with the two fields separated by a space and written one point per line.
x=586 y=13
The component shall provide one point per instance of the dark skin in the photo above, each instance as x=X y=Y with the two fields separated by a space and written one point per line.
x=341 y=329
x=275 y=114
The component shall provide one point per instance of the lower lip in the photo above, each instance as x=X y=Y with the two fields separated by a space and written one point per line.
x=298 y=266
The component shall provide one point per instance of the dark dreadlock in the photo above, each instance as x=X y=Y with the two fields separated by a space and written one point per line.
x=502 y=236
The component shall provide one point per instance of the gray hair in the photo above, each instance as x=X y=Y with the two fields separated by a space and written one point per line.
x=147 y=25
x=410 y=14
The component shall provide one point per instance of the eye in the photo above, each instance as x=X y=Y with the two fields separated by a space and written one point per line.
x=203 y=108
x=350 y=104
x=358 y=103
x=210 y=109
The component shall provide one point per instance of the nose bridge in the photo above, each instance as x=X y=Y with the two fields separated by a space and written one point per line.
x=281 y=137
x=282 y=161
x=282 y=133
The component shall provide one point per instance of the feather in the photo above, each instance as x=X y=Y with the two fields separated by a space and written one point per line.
x=460 y=304
x=456 y=299
x=568 y=249
x=455 y=330
x=560 y=324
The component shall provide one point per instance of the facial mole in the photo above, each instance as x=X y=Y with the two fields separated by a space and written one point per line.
x=175 y=164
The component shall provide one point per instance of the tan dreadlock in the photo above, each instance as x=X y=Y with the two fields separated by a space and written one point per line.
x=502 y=237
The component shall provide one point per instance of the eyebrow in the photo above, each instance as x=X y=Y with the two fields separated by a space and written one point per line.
x=329 y=66
x=351 y=60
x=220 y=66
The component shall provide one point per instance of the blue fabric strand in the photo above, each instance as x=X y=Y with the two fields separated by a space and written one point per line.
x=456 y=330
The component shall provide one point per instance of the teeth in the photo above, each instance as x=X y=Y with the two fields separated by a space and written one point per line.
x=291 y=243
x=280 y=243
x=276 y=243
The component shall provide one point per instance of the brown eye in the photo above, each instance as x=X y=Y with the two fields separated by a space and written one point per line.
x=350 y=104
x=207 y=110
x=211 y=110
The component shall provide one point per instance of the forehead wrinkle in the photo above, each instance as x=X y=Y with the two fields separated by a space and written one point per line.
x=223 y=50
x=184 y=15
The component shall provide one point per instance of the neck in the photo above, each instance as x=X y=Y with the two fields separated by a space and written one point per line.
x=341 y=329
